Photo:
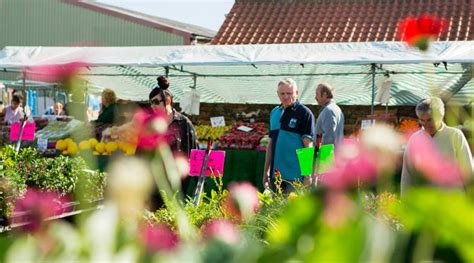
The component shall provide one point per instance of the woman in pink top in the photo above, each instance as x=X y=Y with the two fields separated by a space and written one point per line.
x=14 y=112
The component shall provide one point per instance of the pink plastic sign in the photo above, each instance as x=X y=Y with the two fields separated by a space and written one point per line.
x=214 y=163
x=28 y=131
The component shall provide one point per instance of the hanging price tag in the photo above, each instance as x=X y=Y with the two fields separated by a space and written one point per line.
x=217 y=121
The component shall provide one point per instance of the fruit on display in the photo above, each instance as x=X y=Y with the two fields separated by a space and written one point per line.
x=84 y=145
x=206 y=131
x=237 y=139
x=69 y=147
x=61 y=145
x=100 y=148
x=93 y=142
x=111 y=147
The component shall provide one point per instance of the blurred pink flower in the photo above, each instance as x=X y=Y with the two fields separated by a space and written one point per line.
x=242 y=201
x=158 y=238
x=352 y=166
x=339 y=208
x=35 y=207
x=222 y=230
x=425 y=157
x=182 y=164
x=150 y=127
x=54 y=73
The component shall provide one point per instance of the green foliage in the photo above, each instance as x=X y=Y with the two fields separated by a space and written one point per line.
x=209 y=208
x=447 y=216
x=384 y=207
x=7 y=196
x=29 y=169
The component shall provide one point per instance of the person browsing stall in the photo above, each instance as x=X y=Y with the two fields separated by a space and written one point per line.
x=448 y=140
x=14 y=112
x=180 y=136
x=291 y=128
x=57 y=110
x=330 y=121
x=108 y=113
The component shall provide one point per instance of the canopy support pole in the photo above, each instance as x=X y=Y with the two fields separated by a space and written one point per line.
x=373 y=89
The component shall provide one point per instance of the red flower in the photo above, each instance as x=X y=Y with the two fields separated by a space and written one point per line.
x=54 y=73
x=222 y=230
x=150 y=128
x=419 y=31
x=158 y=238
x=35 y=207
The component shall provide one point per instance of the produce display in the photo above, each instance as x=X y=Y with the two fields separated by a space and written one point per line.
x=57 y=129
x=119 y=134
x=235 y=138
x=69 y=147
x=206 y=131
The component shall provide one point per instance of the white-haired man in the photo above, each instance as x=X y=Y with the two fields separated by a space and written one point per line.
x=448 y=140
x=291 y=128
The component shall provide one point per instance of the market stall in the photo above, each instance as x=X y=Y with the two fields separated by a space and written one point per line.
x=248 y=73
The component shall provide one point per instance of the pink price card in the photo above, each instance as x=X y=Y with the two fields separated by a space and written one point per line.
x=28 y=131
x=214 y=163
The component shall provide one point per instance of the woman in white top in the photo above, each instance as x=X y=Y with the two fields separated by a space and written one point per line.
x=14 y=112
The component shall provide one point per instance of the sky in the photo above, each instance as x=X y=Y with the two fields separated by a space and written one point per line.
x=206 y=13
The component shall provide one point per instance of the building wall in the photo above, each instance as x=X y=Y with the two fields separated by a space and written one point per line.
x=56 y=23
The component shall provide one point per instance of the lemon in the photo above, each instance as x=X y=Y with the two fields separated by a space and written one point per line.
x=122 y=145
x=84 y=145
x=93 y=142
x=68 y=140
x=100 y=147
x=111 y=147
x=72 y=148
x=130 y=149
x=61 y=145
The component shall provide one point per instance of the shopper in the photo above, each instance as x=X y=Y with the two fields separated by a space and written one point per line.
x=449 y=141
x=291 y=128
x=14 y=112
x=330 y=121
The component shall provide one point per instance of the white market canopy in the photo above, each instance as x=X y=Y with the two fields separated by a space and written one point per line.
x=250 y=73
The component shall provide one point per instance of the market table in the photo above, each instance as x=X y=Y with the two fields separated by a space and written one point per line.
x=239 y=165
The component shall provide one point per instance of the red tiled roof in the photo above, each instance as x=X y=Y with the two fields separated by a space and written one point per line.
x=310 y=21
